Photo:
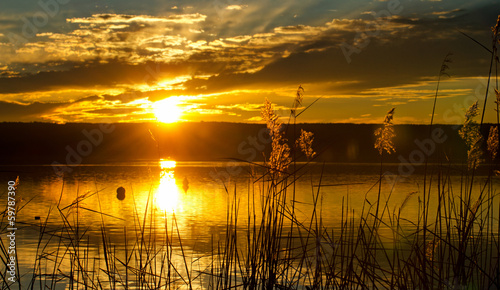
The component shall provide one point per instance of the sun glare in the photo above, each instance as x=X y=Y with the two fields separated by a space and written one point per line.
x=167 y=195
x=167 y=164
x=167 y=110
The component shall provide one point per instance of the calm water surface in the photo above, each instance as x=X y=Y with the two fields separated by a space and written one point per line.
x=158 y=192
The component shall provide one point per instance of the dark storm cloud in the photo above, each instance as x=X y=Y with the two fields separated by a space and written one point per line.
x=18 y=112
x=97 y=75
x=125 y=111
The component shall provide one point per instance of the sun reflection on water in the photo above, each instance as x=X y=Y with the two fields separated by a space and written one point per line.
x=168 y=194
x=167 y=164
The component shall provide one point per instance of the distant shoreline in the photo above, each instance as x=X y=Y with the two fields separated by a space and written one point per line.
x=89 y=143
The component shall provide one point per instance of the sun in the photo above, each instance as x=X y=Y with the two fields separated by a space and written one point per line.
x=167 y=110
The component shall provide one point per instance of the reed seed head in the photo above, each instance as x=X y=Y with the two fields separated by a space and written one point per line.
x=493 y=142
x=495 y=29
x=280 y=152
x=305 y=143
x=271 y=119
x=444 y=65
x=385 y=135
x=472 y=137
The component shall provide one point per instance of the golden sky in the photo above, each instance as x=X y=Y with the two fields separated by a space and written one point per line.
x=94 y=61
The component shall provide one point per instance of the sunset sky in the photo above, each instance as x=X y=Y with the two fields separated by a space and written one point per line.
x=217 y=60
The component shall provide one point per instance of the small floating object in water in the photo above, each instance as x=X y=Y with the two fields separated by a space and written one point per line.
x=37 y=217
x=185 y=184
x=120 y=193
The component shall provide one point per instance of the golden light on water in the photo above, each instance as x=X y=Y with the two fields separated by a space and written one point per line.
x=168 y=194
x=167 y=164
x=167 y=110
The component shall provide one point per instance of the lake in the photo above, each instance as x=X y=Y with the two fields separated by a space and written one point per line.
x=191 y=201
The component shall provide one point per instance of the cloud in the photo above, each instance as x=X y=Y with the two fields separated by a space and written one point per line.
x=243 y=107
x=135 y=38
x=236 y=7
x=123 y=58
x=122 y=18
x=101 y=75
x=111 y=49
x=16 y=112
x=94 y=108
x=447 y=12
x=86 y=109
